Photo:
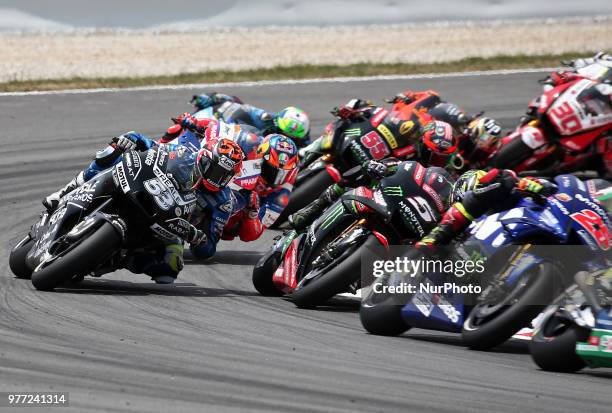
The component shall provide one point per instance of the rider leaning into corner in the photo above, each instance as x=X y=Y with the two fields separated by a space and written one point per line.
x=261 y=189
x=430 y=142
x=477 y=192
x=206 y=172
x=475 y=134
x=432 y=185
x=591 y=99
x=291 y=121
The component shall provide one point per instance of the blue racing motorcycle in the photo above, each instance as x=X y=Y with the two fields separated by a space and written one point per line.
x=529 y=254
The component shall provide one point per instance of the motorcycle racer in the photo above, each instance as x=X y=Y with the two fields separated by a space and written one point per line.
x=262 y=189
x=477 y=192
x=597 y=68
x=411 y=112
x=436 y=147
x=567 y=128
x=478 y=135
x=291 y=121
x=206 y=172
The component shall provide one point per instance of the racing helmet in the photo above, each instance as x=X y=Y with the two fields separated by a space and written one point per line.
x=280 y=157
x=466 y=182
x=216 y=164
x=441 y=181
x=485 y=137
x=439 y=144
x=293 y=122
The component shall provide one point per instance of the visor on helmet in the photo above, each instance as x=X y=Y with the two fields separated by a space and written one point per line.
x=212 y=176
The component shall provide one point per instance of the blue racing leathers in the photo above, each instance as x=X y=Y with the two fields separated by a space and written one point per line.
x=232 y=110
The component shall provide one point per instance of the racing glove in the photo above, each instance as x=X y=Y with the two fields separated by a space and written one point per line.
x=376 y=170
x=536 y=186
x=196 y=237
x=186 y=120
x=353 y=109
x=125 y=142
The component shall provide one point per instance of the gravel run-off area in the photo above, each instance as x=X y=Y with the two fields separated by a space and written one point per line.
x=97 y=54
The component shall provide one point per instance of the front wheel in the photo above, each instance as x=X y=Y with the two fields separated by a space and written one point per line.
x=553 y=346
x=492 y=322
x=263 y=273
x=336 y=281
x=84 y=257
x=381 y=315
x=17 y=259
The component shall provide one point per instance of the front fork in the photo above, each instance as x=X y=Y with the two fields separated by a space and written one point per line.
x=345 y=240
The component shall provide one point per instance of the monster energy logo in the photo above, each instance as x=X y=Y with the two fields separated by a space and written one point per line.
x=393 y=191
x=333 y=214
x=353 y=132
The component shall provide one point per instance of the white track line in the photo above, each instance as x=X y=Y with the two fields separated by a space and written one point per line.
x=281 y=82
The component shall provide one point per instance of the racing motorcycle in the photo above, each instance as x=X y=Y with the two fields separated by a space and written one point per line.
x=128 y=207
x=576 y=330
x=567 y=129
x=523 y=277
x=349 y=142
x=326 y=260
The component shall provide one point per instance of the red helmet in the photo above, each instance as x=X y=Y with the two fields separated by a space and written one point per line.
x=217 y=163
x=439 y=144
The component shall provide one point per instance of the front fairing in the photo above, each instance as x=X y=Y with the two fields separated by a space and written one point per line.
x=72 y=209
x=555 y=220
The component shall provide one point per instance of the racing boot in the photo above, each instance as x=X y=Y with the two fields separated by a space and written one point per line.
x=455 y=220
x=301 y=219
x=52 y=201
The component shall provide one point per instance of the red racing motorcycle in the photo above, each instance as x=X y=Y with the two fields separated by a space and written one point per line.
x=567 y=129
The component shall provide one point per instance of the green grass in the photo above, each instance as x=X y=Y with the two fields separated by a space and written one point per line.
x=297 y=72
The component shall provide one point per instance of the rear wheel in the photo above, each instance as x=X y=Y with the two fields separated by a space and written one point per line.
x=553 y=346
x=91 y=252
x=492 y=322
x=306 y=193
x=512 y=154
x=17 y=259
x=337 y=280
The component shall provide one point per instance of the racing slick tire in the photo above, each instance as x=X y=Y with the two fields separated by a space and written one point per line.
x=553 y=346
x=90 y=252
x=336 y=281
x=512 y=154
x=382 y=318
x=262 y=275
x=17 y=258
x=483 y=333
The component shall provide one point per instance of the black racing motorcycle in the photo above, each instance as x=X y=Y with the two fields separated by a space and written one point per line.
x=131 y=206
x=326 y=260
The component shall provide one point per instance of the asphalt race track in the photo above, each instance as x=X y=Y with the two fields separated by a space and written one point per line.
x=210 y=342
